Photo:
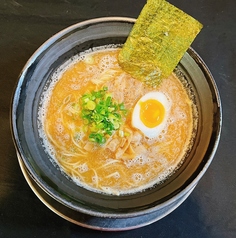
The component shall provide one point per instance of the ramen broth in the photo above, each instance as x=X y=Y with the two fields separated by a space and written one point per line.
x=128 y=161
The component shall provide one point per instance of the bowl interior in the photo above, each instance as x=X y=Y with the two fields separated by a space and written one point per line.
x=26 y=101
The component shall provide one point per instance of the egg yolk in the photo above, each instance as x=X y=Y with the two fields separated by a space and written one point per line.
x=152 y=113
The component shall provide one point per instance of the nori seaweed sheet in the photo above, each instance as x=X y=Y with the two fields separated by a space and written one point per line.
x=157 y=41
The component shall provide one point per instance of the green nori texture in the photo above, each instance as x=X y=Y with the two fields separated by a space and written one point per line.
x=157 y=42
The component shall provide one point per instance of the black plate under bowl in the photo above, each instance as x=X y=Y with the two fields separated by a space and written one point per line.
x=26 y=100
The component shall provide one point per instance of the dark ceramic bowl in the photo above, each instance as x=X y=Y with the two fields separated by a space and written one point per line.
x=162 y=198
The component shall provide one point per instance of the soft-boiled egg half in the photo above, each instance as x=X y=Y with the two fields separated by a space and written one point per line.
x=150 y=114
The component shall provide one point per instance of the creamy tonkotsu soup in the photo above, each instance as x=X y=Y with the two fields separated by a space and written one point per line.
x=111 y=133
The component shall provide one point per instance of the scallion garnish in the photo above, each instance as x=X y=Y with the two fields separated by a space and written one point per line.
x=101 y=114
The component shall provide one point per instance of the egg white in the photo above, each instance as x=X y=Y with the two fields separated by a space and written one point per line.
x=136 y=121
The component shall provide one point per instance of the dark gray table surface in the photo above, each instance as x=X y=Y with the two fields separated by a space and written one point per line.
x=210 y=211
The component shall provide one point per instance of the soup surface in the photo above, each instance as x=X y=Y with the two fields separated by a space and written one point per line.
x=135 y=150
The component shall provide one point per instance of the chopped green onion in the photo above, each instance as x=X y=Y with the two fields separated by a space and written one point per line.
x=98 y=138
x=91 y=105
x=101 y=114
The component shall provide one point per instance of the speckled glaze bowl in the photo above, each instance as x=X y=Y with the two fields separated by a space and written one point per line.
x=110 y=212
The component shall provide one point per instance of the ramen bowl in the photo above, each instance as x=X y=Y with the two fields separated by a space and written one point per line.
x=61 y=194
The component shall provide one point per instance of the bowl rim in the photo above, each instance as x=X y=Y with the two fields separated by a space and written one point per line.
x=50 y=41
